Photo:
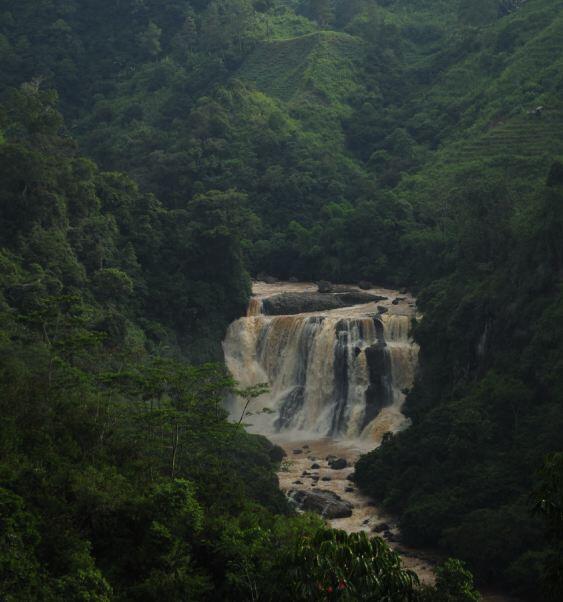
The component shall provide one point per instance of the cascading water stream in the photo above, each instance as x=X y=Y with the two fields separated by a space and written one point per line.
x=339 y=373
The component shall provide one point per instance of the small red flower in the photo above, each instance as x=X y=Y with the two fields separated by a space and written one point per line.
x=341 y=585
x=329 y=589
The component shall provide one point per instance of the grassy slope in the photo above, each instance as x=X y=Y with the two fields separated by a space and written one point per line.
x=321 y=62
x=483 y=101
x=313 y=76
x=480 y=95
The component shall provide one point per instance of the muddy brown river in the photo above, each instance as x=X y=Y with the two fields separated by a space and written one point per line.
x=365 y=514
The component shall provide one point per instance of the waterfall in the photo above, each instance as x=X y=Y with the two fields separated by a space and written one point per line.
x=254 y=307
x=337 y=373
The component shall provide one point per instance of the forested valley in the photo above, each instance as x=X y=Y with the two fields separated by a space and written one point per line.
x=158 y=155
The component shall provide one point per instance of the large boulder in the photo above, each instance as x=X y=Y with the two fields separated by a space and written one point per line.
x=324 y=286
x=326 y=503
x=365 y=285
x=286 y=304
x=338 y=464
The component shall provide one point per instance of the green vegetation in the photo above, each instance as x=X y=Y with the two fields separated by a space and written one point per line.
x=120 y=477
x=407 y=142
x=487 y=405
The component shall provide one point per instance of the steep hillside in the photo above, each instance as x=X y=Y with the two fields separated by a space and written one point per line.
x=487 y=404
x=500 y=103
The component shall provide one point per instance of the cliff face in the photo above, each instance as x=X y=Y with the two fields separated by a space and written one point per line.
x=331 y=371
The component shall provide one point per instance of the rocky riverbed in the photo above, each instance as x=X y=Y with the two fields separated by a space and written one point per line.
x=307 y=470
x=299 y=475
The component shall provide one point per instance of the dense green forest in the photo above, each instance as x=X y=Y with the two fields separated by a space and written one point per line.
x=156 y=154
x=120 y=476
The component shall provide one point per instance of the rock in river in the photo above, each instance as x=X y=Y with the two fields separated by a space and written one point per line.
x=326 y=503
x=380 y=528
x=338 y=464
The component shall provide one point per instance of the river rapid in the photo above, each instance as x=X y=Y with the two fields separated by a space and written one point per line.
x=366 y=516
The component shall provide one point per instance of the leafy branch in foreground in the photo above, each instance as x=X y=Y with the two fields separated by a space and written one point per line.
x=249 y=394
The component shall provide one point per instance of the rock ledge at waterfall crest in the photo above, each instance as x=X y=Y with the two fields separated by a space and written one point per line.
x=286 y=304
